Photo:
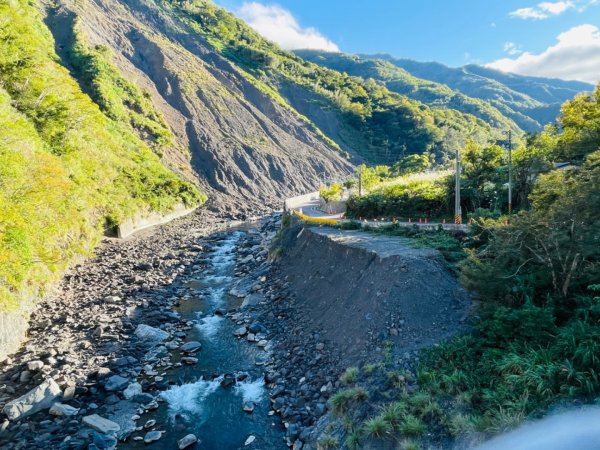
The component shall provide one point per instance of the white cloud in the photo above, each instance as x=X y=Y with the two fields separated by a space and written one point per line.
x=279 y=25
x=512 y=49
x=576 y=56
x=543 y=10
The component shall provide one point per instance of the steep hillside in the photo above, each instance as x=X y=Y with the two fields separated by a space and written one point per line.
x=67 y=171
x=518 y=97
x=245 y=148
x=399 y=80
x=362 y=116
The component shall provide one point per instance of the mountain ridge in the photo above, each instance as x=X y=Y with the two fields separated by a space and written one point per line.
x=527 y=102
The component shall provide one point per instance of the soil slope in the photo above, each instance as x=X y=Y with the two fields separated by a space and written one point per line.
x=360 y=290
x=245 y=147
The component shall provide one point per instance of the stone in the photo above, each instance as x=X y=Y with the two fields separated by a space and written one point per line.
x=100 y=424
x=103 y=372
x=25 y=376
x=143 y=398
x=191 y=347
x=150 y=334
x=132 y=390
x=187 y=441
x=249 y=407
x=37 y=399
x=257 y=327
x=262 y=343
x=60 y=409
x=103 y=441
x=69 y=393
x=152 y=436
x=149 y=424
x=34 y=366
x=252 y=300
x=250 y=440
x=116 y=383
x=241 y=331
x=189 y=360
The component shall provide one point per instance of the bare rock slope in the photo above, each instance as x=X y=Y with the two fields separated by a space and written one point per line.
x=364 y=289
x=245 y=148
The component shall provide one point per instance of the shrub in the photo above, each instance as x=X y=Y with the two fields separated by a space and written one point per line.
x=349 y=376
x=341 y=401
x=331 y=193
x=376 y=427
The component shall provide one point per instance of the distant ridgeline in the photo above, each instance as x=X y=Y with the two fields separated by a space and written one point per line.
x=501 y=99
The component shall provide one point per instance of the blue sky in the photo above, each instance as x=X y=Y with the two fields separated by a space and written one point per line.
x=550 y=38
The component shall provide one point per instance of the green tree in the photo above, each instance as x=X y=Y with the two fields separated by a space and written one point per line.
x=412 y=164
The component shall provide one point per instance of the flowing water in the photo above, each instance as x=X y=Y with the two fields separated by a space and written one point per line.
x=197 y=403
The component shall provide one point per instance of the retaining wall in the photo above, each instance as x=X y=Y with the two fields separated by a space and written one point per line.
x=294 y=202
x=142 y=221
x=333 y=207
x=13 y=329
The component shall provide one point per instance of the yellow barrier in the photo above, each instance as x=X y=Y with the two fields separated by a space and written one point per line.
x=316 y=220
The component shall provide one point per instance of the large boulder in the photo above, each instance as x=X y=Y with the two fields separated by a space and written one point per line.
x=101 y=424
x=150 y=334
x=37 y=399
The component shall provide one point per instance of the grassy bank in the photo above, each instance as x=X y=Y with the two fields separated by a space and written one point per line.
x=67 y=170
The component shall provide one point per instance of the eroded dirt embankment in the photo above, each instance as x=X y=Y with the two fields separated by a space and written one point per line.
x=360 y=289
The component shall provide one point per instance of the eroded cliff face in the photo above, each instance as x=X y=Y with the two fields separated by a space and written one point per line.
x=245 y=148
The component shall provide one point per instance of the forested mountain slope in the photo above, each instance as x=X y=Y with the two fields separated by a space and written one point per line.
x=428 y=92
x=516 y=96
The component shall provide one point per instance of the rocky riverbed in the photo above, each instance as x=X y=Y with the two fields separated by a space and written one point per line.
x=103 y=353
x=190 y=336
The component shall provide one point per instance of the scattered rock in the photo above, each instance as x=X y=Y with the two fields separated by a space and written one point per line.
x=132 y=390
x=152 y=436
x=187 y=441
x=60 y=409
x=249 y=407
x=146 y=333
x=250 y=440
x=189 y=360
x=34 y=366
x=116 y=383
x=191 y=347
x=149 y=424
x=101 y=424
x=239 y=332
x=37 y=399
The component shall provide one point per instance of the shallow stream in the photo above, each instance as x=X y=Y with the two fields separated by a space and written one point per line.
x=198 y=403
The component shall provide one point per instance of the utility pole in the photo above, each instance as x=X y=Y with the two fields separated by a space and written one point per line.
x=457 y=208
x=510 y=181
x=360 y=180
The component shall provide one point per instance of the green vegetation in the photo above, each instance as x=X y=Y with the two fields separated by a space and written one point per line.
x=379 y=124
x=529 y=101
x=341 y=401
x=331 y=193
x=396 y=79
x=411 y=196
x=349 y=376
x=66 y=170
x=536 y=337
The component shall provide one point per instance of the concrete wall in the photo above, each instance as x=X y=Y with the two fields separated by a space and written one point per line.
x=294 y=202
x=13 y=329
x=336 y=207
x=142 y=221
